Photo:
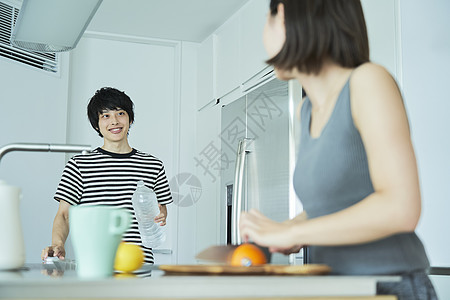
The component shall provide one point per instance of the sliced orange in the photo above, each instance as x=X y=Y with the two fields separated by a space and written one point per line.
x=248 y=255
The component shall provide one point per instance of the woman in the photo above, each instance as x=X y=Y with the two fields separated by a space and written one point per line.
x=356 y=173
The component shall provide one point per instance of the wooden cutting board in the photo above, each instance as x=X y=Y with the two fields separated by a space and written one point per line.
x=268 y=269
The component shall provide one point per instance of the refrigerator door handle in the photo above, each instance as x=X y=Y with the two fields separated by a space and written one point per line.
x=237 y=190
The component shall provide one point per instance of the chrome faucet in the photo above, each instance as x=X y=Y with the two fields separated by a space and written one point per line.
x=67 y=148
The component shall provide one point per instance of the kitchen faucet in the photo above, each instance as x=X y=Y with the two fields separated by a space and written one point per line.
x=43 y=148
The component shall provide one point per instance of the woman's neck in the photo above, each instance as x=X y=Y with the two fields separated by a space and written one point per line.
x=323 y=88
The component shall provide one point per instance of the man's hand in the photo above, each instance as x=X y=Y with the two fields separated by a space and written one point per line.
x=53 y=251
x=60 y=232
x=161 y=218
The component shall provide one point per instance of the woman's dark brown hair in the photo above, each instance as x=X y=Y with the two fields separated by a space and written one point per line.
x=317 y=30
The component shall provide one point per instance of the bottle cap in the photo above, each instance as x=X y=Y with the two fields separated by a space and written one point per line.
x=140 y=183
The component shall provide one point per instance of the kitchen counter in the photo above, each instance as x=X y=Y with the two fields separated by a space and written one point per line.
x=59 y=280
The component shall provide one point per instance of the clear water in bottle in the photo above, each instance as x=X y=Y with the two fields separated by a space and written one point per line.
x=146 y=209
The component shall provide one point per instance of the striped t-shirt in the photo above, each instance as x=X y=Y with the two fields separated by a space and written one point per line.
x=105 y=178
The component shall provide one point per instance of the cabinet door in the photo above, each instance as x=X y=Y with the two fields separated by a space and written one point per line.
x=208 y=161
x=252 y=52
x=206 y=78
x=227 y=59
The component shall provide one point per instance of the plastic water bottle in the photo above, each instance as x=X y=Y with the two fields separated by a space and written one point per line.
x=146 y=209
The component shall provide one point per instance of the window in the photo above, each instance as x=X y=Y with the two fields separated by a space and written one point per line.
x=9 y=11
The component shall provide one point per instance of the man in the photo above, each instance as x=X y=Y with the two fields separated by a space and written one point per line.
x=109 y=174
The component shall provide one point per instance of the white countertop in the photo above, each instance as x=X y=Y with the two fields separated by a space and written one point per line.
x=43 y=281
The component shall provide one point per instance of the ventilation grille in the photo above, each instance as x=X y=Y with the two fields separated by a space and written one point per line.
x=44 y=61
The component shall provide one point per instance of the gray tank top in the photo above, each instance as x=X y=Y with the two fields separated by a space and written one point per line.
x=332 y=174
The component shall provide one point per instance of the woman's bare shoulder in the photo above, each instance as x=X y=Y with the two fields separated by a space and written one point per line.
x=372 y=80
x=370 y=73
x=373 y=89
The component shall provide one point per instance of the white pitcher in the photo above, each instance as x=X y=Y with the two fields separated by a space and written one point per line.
x=12 y=249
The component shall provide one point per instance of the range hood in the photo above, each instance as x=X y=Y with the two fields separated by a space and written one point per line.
x=52 y=25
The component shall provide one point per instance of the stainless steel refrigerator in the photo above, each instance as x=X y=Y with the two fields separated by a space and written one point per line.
x=258 y=139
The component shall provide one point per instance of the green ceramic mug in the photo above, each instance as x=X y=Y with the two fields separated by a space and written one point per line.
x=96 y=232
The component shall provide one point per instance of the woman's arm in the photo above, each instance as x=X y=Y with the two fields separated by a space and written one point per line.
x=394 y=207
x=298 y=218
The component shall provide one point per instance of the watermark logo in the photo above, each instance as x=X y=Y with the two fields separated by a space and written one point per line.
x=263 y=110
x=260 y=111
x=186 y=189
x=212 y=161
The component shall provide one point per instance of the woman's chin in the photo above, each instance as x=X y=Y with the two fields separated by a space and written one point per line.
x=283 y=74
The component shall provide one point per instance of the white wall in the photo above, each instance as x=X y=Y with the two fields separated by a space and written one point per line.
x=382 y=27
x=144 y=71
x=187 y=215
x=34 y=108
x=426 y=76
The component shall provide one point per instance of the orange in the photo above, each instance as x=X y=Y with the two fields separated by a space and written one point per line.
x=248 y=255
x=129 y=257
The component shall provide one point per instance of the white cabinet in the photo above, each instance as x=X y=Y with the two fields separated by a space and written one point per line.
x=208 y=158
x=226 y=60
x=227 y=52
x=206 y=85
x=252 y=52
x=240 y=52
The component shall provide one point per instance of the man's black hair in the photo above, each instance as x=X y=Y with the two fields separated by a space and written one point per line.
x=108 y=98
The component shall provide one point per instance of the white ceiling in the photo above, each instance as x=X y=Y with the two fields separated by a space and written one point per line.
x=186 y=20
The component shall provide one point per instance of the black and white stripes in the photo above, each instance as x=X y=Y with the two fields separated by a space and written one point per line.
x=104 y=178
